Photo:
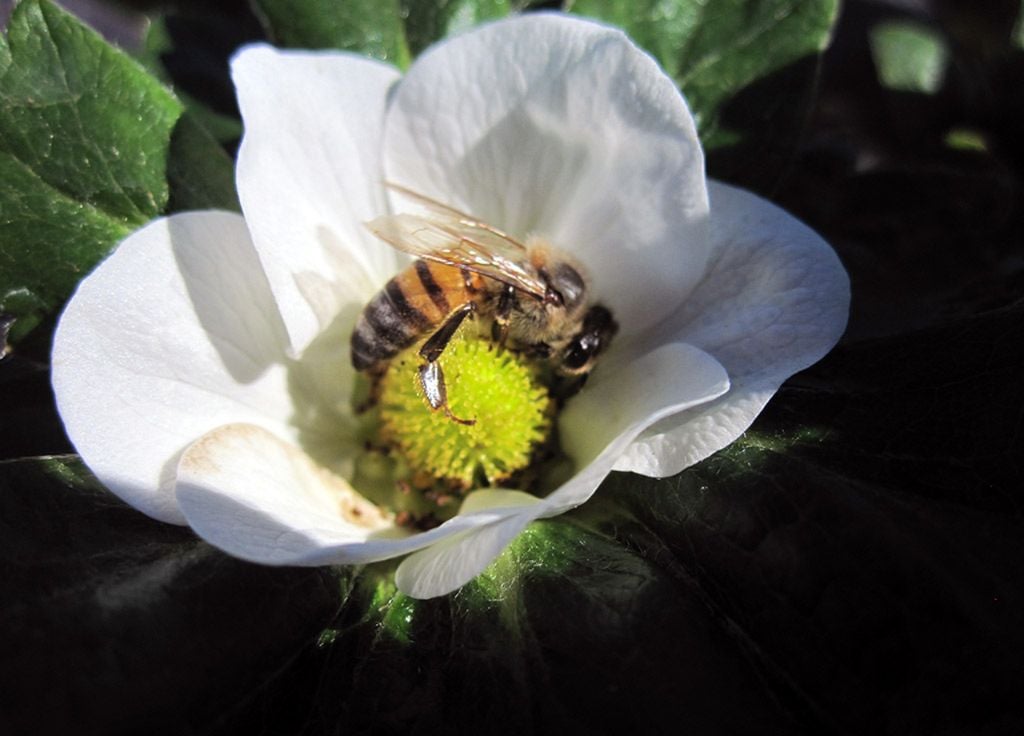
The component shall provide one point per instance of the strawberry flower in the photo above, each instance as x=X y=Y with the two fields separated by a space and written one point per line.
x=203 y=369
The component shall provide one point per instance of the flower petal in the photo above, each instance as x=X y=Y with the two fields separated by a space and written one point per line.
x=561 y=127
x=175 y=333
x=309 y=174
x=453 y=562
x=603 y=419
x=261 y=498
x=496 y=498
x=774 y=301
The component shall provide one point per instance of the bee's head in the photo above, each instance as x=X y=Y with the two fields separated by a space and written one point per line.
x=597 y=331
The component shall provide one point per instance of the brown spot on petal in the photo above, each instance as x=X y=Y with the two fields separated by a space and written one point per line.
x=223 y=446
x=357 y=510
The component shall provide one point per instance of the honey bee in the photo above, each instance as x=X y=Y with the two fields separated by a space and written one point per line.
x=535 y=298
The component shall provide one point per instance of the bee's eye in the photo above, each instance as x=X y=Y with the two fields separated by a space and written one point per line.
x=598 y=329
x=567 y=283
x=579 y=353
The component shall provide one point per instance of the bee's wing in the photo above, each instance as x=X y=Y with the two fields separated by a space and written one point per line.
x=457 y=220
x=454 y=241
x=437 y=209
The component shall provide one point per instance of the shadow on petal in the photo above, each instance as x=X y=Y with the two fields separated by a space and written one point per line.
x=230 y=295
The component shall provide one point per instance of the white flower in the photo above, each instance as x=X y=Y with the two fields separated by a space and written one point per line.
x=202 y=370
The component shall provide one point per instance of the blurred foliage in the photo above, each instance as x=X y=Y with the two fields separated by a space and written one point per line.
x=919 y=191
x=909 y=57
x=851 y=565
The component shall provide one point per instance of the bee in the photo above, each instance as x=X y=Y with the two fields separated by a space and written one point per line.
x=536 y=299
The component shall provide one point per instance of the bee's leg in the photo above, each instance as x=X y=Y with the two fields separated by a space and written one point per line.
x=430 y=373
x=432 y=381
x=499 y=328
x=434 y=346
x=373 y=376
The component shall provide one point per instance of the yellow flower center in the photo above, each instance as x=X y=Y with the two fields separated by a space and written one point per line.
x=495 y=389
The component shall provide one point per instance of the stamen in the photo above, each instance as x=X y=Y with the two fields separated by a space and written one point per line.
x=495 y=387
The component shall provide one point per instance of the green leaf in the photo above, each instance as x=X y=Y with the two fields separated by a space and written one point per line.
x=113 y=622
x=47 y=241
x=748 y=70
x=569 y=631
x=428 y=21
x=664 y=28
x=393 y=30
x=83 y=150
x=371 y=27
x=82 y=116
x=200 y=173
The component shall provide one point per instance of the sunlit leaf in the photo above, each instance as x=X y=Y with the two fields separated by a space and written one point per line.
x=86 y=151
x=83 y=151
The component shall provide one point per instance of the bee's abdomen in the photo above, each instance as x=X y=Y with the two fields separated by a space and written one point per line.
x=411 y=303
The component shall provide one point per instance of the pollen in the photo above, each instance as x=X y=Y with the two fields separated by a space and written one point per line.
x=507 y=413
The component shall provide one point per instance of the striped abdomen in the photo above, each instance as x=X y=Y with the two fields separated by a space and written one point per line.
x=410 y=305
